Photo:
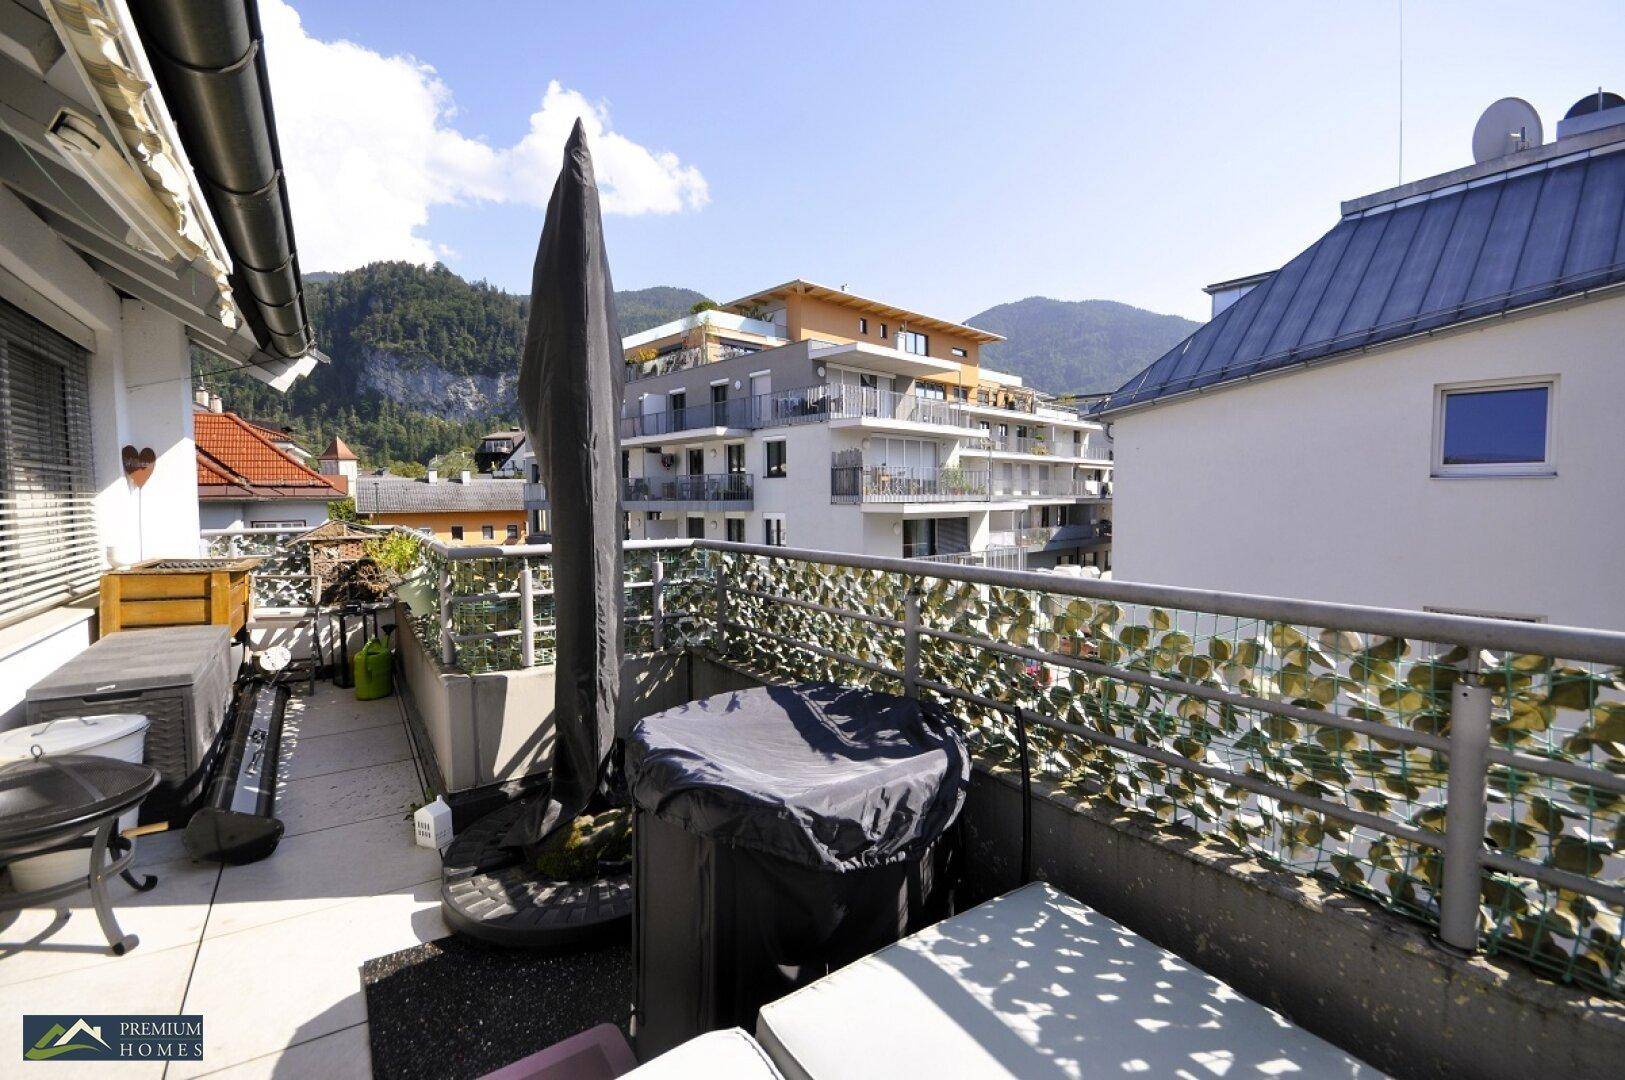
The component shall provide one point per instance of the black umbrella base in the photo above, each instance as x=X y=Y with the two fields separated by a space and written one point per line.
x=488 y=892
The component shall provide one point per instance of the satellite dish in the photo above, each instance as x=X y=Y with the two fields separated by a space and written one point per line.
x=1509 y=125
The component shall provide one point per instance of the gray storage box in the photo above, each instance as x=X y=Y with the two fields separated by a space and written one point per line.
x=178 y=676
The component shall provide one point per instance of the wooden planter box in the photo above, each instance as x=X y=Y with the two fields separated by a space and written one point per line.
x=179 y=592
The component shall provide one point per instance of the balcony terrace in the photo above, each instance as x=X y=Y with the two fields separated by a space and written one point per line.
x=1366 y=779
x=1230 y=776
x=884 y=484
x=708 y=491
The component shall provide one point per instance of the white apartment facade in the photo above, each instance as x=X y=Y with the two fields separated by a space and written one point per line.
x=125 y=245
x=809 y=417
x=1422 y=410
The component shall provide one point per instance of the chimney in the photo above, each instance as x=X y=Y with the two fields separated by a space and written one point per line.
x=200 y=397
x=433 y=476
x=215 y=404
x=468 y=477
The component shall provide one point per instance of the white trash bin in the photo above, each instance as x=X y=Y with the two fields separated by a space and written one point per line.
x=122 y=736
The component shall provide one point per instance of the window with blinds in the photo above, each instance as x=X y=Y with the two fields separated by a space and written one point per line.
x=48 y=546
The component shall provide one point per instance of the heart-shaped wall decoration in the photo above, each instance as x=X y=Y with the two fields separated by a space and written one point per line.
x=138 y=464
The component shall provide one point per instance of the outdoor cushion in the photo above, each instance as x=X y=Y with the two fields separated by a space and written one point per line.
x=729 y=1054
x=1033 y=984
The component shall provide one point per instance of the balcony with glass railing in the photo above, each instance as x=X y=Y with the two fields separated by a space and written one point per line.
x=682 y=360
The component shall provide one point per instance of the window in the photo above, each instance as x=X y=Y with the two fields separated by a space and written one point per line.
x=882 y=330
x=910 y=342
x=931 y=391
x=696 y=462
x=957 y=351
x=863 y=325
x=276 y=524
x=773 y=531
x=47 y=527
x=513 y=534
x=1499 y=429
x=776 y=464
x=488 y=532
x=736 y=530
x=736 y=457
x=456 y=532
x=696 y=528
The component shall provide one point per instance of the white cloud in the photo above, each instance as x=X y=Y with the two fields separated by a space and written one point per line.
x=369 y=146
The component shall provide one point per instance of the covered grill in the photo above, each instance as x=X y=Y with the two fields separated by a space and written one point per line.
x=781 y=833
x=73 y=801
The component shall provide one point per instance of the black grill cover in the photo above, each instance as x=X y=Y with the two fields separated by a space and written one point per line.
x=823 y=776
x=782 y=833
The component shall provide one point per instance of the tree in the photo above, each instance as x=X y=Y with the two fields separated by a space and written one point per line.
x=343 y=510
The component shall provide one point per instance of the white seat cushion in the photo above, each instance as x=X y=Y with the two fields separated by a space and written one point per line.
x=1032 y=985
x=717 y=1055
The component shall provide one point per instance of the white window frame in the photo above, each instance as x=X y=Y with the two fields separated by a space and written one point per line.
x=1544 y=468
x=960 y=353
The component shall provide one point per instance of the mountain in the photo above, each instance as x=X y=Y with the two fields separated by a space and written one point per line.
x=421 y=361
x=1078 y=346
x=639 y=309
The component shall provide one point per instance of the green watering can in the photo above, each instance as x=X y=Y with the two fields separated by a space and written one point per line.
x=372 y=668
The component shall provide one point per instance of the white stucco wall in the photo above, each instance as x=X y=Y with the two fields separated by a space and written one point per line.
x=1318 y=483
x=140 y=394
x=222 y=514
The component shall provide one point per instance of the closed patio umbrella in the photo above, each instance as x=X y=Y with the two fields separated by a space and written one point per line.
x=570 y=398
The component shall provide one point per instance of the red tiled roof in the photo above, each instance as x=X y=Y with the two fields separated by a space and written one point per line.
x=238 y=460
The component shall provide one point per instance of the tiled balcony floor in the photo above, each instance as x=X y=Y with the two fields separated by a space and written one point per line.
x=268 y=953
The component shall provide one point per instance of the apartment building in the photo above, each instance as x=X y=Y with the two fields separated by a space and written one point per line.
x=807 y=416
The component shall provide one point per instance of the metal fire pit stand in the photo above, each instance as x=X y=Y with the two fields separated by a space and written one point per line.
x=110 y=856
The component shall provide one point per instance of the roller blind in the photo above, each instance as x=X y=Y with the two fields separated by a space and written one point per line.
x=48 y=546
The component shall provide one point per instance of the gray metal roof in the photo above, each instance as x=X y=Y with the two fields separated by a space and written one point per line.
x=399 y=494
x=1519 y=237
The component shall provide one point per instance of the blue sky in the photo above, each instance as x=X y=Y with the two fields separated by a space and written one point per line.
x=942 y=156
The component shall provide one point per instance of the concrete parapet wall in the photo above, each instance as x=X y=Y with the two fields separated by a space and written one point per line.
x=1352 y=973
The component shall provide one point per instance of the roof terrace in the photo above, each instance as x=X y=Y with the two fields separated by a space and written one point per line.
x=1433 y=800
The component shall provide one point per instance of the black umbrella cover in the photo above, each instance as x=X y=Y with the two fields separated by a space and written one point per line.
x=570 y=397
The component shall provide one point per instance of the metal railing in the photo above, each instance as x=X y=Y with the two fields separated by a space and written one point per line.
x=283 y=580
x=704 y=488
x=885 y=484
x=734 y=413
x=800 y=405
x=1460 y=770
x=1002 y=556
x=1466 y=772
x=1035 y=487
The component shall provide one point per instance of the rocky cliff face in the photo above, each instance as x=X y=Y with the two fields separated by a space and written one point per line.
x=423 y=385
